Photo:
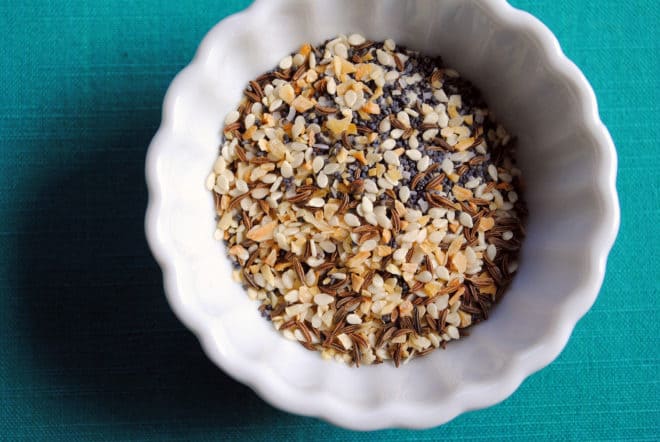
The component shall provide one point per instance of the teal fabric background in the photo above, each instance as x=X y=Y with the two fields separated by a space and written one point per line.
x=89 y=349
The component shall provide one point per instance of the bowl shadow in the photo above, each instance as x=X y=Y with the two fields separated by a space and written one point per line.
x=95 y=315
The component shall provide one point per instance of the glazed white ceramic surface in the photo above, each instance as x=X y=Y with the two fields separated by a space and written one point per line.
x=569 y=165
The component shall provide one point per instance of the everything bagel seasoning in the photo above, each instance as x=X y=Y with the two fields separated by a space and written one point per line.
x=368 y=200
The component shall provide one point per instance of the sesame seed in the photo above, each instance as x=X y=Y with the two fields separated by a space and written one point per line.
x=384 y=58
x=286 y=62
x=465 y=219
x=356 y=39
x=232 y=117
x=388 y=144
x=391 y=158
x=367 y=205
x=423 y=163
x=351 y=220
x=414 y=155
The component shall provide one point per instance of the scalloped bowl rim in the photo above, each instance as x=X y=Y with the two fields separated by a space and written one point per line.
x=325 y=406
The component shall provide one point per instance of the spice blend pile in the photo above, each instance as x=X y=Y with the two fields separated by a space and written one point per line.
x=368 y=200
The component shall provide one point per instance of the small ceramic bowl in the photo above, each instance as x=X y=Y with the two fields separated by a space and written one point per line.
x=568 y=161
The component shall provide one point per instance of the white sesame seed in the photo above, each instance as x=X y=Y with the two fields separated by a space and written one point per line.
x=443 y=120
x=384 y=184
x=403 y=118
x=356 y=39
x=391 y=158
x=370 y=186
x=260 y=193
x=492 y=171
x=322 y=180
x=341 y=50
x=391 y=76
x=453 y=331
x=384 y=126
x=388 y=144
x=241 y=186
x=351 y=220
x=389 y=44
x=328 y=246
x=350 y=97
x=317 y=164
x=404 y=194
x=396 y=133
x=506 y=236
x=331 y=86
x=316 y=202
x=384 y=58
x=429 y=134
x=286 y=170
x=491 y=252
x=447 y=166
x=367 y=205
x=286 y=62
x=424 y=163
x=331 y=168
x=269 y=178
x=371 y=218
x=413 y=142
x=424 y=276
x=411 y=112
x=353 y=319
x=513 y=196
x=437 y=236
x=368 y=245
x=210 y=181
x=465 y=219
x=431 y=118
x=298 y=59
x=414 y=155
x=323 y=299
x=232 y=117
x=249 y=121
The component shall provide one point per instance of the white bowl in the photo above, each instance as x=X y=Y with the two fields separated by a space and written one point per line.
x=567 y=158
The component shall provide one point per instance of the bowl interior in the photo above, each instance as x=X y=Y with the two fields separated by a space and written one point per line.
x=559 y=156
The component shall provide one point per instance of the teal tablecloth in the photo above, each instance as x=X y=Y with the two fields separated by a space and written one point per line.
x=89 y=350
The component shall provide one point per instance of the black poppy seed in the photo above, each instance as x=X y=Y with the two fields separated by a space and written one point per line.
x=266 y=312
x=405 y=288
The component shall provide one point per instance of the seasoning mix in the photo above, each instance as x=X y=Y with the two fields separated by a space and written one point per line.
x=368 y=200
